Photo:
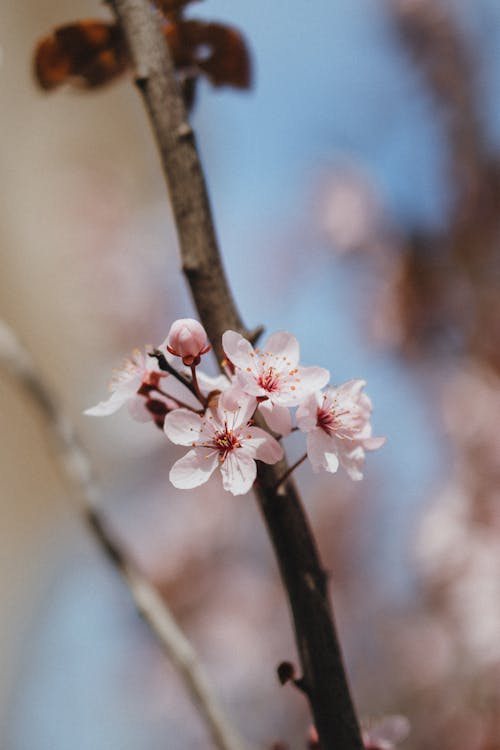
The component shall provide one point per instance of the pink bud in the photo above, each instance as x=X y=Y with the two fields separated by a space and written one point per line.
x=187 y=339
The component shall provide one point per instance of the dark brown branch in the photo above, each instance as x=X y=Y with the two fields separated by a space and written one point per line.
x=156 y=80
x=303 y=576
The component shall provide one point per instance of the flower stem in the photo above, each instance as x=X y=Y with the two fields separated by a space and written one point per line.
x=199 y=395
x=165 y=366
x=287 y=473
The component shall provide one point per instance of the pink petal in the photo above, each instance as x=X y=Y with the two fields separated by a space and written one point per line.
x=209 y=383
x=390 y=730
x=307 y=413
x=264 y=446
x=238 y=350
x=176 y=390
x=278 y=418
x=283 y=345
x=183 y=427
x=236 y=401
x=238 y=472
x=352 y=461
x=321 y=451
x=112 y=404
x=312 y=379
x=247 y=381
x=372 y=443
x=195 y=468
x=352 y=388
x=137 y=409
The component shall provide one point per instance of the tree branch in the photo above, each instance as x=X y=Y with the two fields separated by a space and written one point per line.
x=76 y=468
x=302 y=573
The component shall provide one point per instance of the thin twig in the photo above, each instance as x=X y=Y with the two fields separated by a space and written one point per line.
x=77 y=469
x=281 y=481
x=294 y=544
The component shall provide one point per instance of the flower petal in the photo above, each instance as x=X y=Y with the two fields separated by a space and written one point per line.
x=138 y=411
x=352 y=461
x=210 y=383
x=112 y=404
x=372 y=443
x=238 y=472
x=307 y=413
x=312 y=379
x=264 y=446
x=193 y=469
x=239 y=403
x=176 y=390
x=352 y=388
x=248 y=383
x=238 y=350
x=183 y=427
x=278 y=418
x=283 y=345
x=321 y=451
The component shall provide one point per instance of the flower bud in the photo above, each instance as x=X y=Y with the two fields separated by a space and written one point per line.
x=187 y=339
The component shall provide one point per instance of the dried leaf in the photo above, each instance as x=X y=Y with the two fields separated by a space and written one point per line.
x=90 y=53
x=85 y=53
x=217 y=50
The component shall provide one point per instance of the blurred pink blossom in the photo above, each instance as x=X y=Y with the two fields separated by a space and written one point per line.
x=125 y=384
x=386 y=733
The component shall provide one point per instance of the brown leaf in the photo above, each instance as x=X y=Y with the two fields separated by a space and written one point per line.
x=86 y=53
x=217 y=50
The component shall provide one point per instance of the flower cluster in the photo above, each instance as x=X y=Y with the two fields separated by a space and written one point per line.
x=215 y=416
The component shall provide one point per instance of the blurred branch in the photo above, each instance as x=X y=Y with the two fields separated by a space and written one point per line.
x=448 y=282
x=324 y=678
x=432 y=35
x=76 y=468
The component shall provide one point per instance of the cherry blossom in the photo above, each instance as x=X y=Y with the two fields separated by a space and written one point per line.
x=151 y=393
x=272 y=375
x=224 y=437
x=386 y=733
x=337 y=423
x=187 y=339
x=138 y=372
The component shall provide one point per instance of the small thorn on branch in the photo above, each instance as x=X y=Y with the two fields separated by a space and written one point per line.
x=140 y=81
x=254 y=335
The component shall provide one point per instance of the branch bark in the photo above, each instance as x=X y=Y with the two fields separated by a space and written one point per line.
x=305 y=581
x=77 y=469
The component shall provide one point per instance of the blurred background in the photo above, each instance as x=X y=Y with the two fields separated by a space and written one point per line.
x=356 y=192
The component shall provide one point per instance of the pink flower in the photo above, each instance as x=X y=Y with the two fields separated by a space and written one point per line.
x=136 y=373
x=150 y=393
x=338 y=428
x=187 y=339
x=222 y=437
x=273 y=375
x=386 y=733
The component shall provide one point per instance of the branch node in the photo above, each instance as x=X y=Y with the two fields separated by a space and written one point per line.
x=286 y=673
x=184 y=132
x=141 y=80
